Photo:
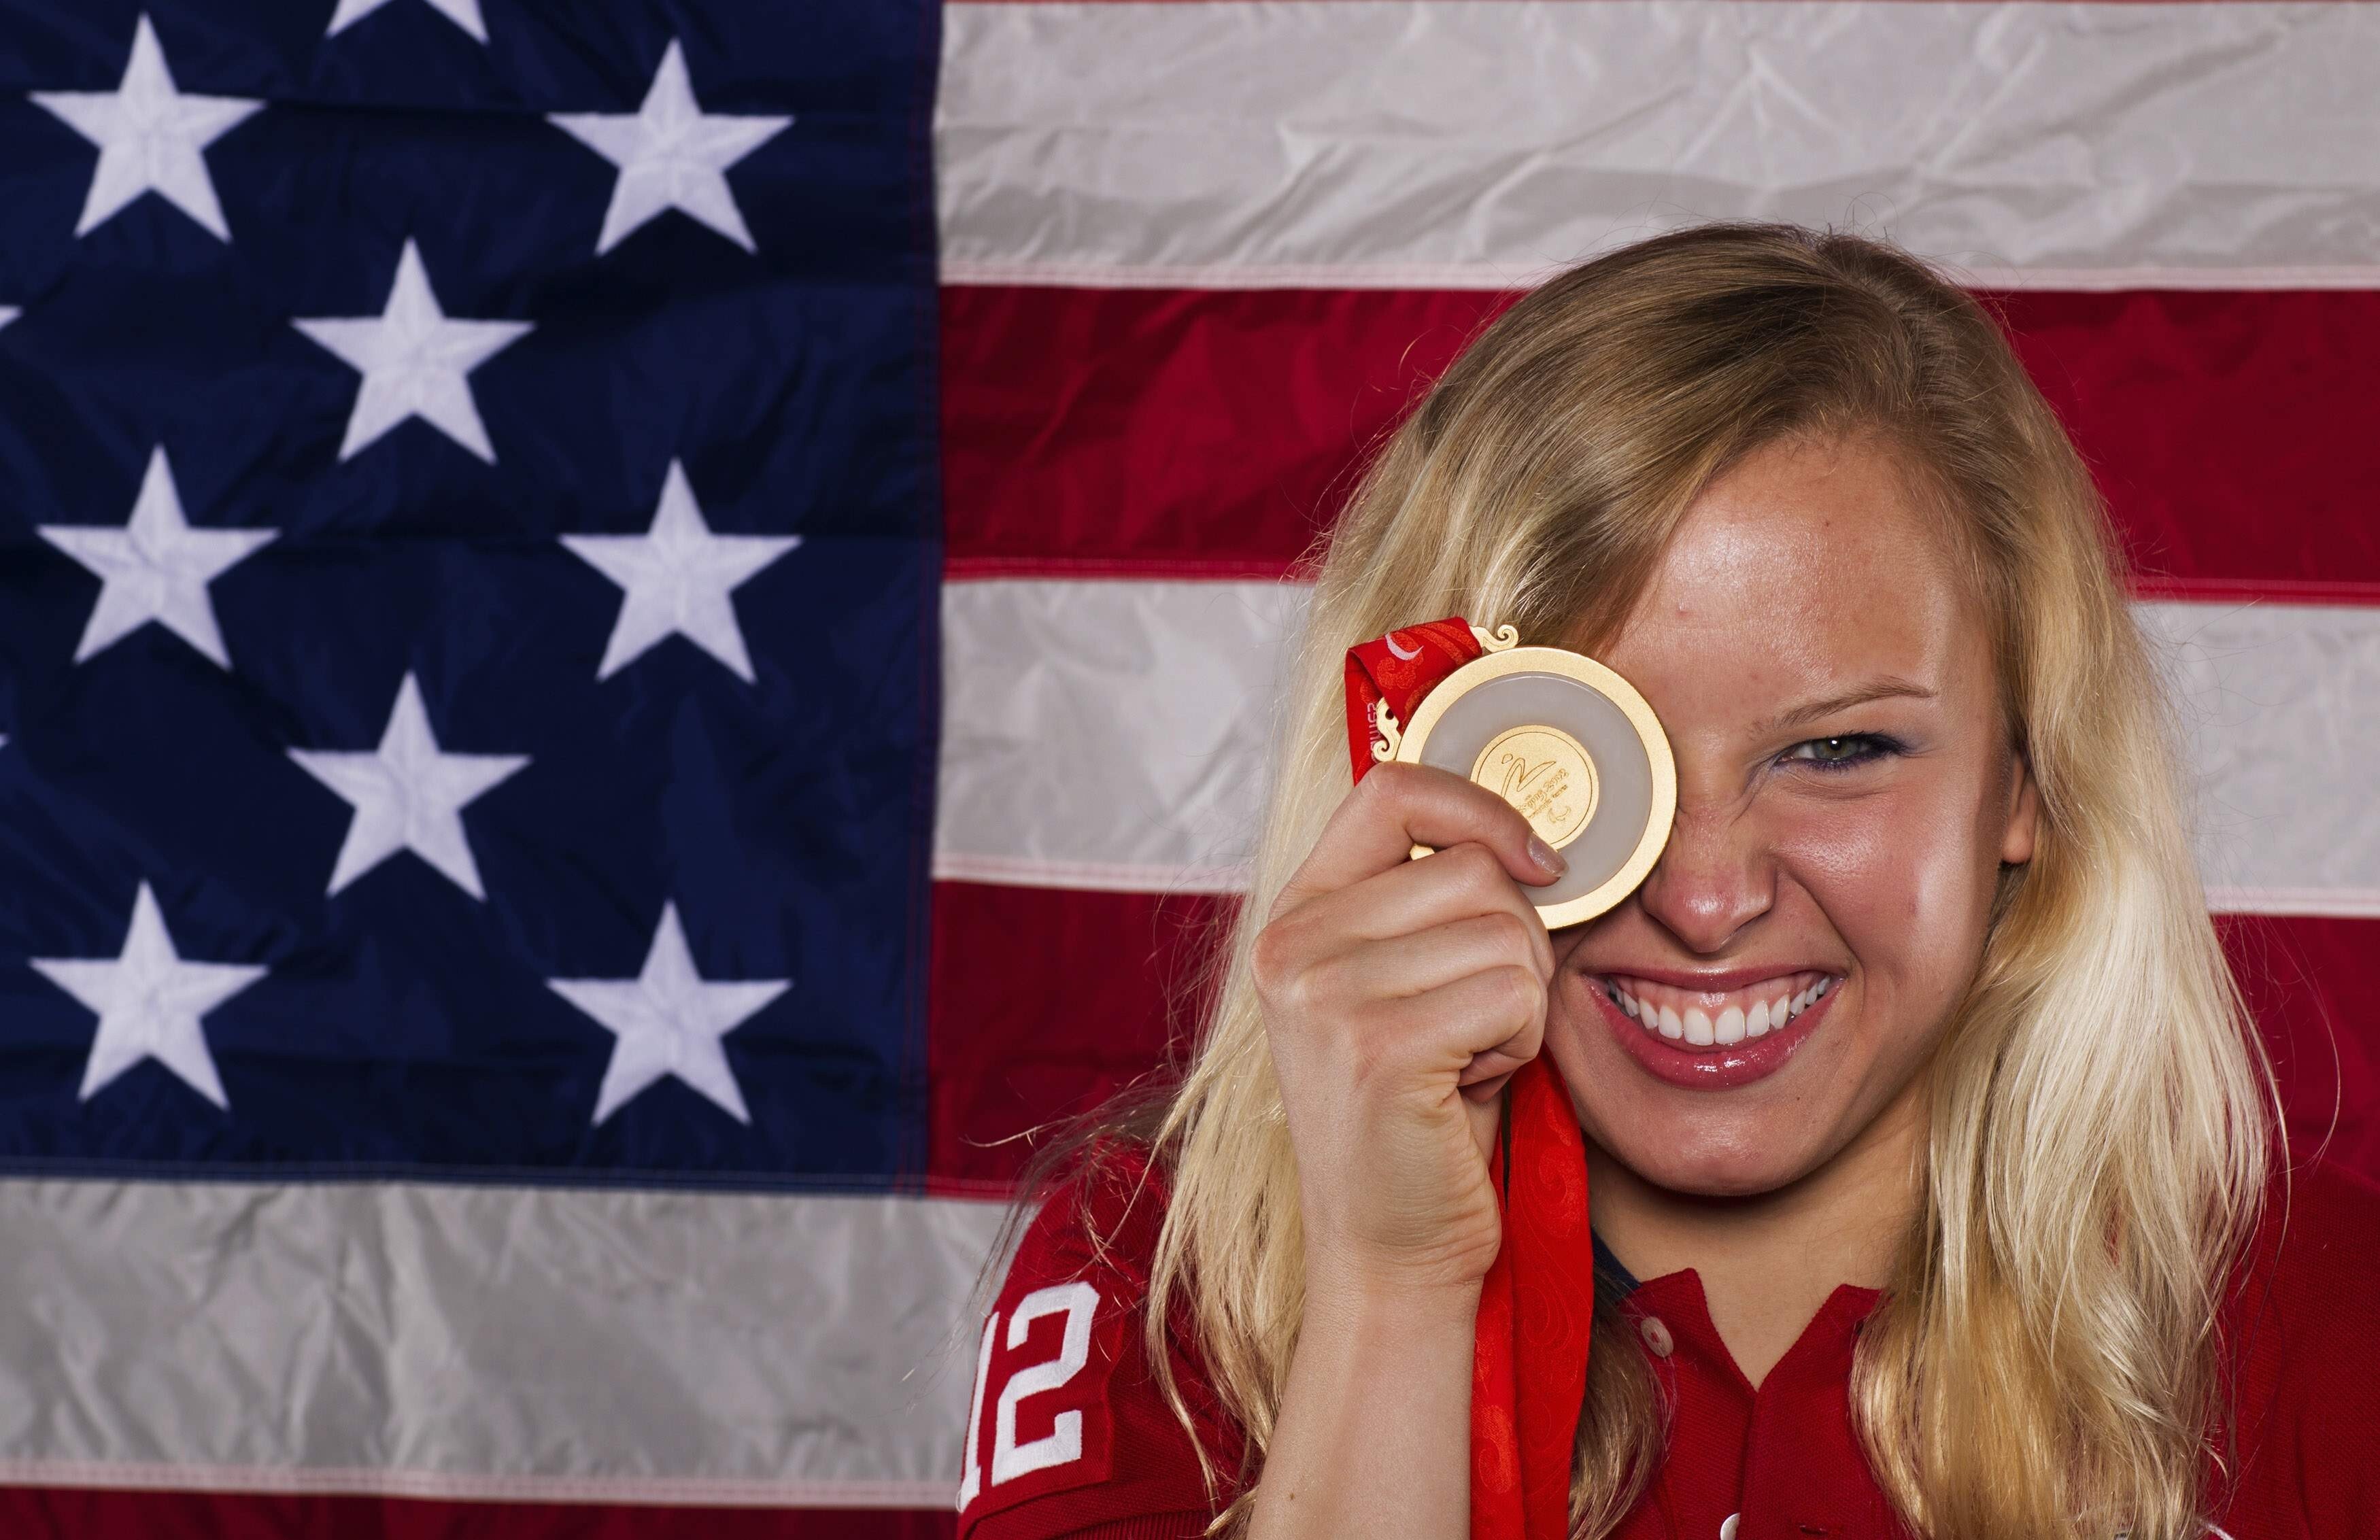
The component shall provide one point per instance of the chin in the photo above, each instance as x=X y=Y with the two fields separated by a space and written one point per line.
x=1719 y=1144
x=1690 y=1156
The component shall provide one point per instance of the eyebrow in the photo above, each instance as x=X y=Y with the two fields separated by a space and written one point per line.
x=1886 y=688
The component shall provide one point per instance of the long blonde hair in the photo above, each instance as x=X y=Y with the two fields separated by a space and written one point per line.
x=2099 y=1120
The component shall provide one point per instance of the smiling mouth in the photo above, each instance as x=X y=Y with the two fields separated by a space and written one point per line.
x=1716 y=1019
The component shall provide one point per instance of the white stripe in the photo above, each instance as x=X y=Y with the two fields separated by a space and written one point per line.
x=1482 y=144
x=1106 y=734
x=2282 y=705
x=1111 y=734
x=482 y=1342
x=2107 y=280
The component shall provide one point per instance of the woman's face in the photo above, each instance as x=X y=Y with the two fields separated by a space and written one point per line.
x=1846 y=795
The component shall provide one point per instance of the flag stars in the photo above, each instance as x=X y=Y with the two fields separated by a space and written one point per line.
x=462 y=13
x=677 y=577
x=668 y=1021
x=416 y=362
x=157 y=568
x=151 y=137
x=151 y=1003
x=407 y=794
x=670 y=155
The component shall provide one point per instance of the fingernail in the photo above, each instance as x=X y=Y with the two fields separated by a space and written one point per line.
x=1543 y=855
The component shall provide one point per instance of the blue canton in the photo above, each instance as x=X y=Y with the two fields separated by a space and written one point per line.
x=469 y=539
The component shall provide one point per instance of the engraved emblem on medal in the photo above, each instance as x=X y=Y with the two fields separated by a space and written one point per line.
x=1545 y=773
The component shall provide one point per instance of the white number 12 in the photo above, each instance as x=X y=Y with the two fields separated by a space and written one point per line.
x=1079 y=1302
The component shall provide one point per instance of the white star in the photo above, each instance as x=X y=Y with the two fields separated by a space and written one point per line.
x=677 y=575
x=462 y=13
x=8 y=314
x=150 y=1002
x=415 y=361
x=670 y=155
x=149 y=137
x=408 y=795
x=155 y=567
x=669 y=1021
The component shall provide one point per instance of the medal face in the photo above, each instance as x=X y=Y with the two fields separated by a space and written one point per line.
x=1575 y=748
x=1545 y=773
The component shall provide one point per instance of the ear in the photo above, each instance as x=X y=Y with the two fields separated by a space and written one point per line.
x=2024 y=814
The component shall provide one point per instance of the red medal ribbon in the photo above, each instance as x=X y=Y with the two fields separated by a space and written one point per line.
x=1528 y=1366
x=1396 y=671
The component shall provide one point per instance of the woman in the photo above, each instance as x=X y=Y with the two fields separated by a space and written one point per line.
x=1984 y=1234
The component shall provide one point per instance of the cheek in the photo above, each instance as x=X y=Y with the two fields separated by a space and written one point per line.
x=1904 y=878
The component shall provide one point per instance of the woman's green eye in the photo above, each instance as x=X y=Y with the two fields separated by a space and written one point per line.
x=1843 y=752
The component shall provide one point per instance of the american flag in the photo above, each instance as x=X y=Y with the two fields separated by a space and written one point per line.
x=634 y=633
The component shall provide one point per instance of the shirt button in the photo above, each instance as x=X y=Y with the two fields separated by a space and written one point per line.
x=1727 y=1526
x=1656 y=1334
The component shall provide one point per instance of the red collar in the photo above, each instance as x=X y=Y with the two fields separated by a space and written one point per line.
x=1672 y=1308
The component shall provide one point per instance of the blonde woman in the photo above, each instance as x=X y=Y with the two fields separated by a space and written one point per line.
x=1984 y=1234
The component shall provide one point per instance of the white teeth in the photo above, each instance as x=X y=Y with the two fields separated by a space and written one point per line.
x=1734 y=1024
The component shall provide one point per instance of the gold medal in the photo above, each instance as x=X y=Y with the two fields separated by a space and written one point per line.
x=1569 y=743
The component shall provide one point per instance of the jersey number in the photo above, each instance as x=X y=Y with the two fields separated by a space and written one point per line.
x=1064 y=1442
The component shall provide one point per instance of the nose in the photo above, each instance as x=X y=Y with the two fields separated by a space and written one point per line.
x=1714 y=877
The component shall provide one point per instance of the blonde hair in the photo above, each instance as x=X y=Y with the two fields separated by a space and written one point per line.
x=2099 y=1122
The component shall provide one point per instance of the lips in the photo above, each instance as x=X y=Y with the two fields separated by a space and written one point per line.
x=1718 y=1031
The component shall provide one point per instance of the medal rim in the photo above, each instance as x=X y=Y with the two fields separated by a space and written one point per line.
x=1576 y=666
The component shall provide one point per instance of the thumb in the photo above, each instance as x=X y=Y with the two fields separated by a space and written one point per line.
x=1483 y=1107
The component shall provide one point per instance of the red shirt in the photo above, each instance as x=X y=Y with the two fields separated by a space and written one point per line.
x=1071 y=1437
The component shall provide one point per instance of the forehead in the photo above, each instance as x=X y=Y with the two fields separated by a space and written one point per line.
x=1808 y=564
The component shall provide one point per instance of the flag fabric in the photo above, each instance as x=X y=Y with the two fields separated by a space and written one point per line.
x=632 y=636
x=469 y=552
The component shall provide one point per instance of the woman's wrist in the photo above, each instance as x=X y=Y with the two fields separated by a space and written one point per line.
x=1343 y=1291
x=1373 y=1436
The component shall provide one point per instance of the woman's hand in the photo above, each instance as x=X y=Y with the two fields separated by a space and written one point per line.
x=1399 y=997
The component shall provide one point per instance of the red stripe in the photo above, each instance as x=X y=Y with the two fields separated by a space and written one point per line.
x=2231 y=433
x=1170 y=434
x=1136 y=432
x=44 y=1513
x=1046 y=1002
x=2302 y=977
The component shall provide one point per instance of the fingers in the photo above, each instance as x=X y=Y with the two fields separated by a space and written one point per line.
x=1398 y=806
x=1483 y=1026
x=1389 y=983
x=1398 y=997
x=1431 y=958
x=1466 y=882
